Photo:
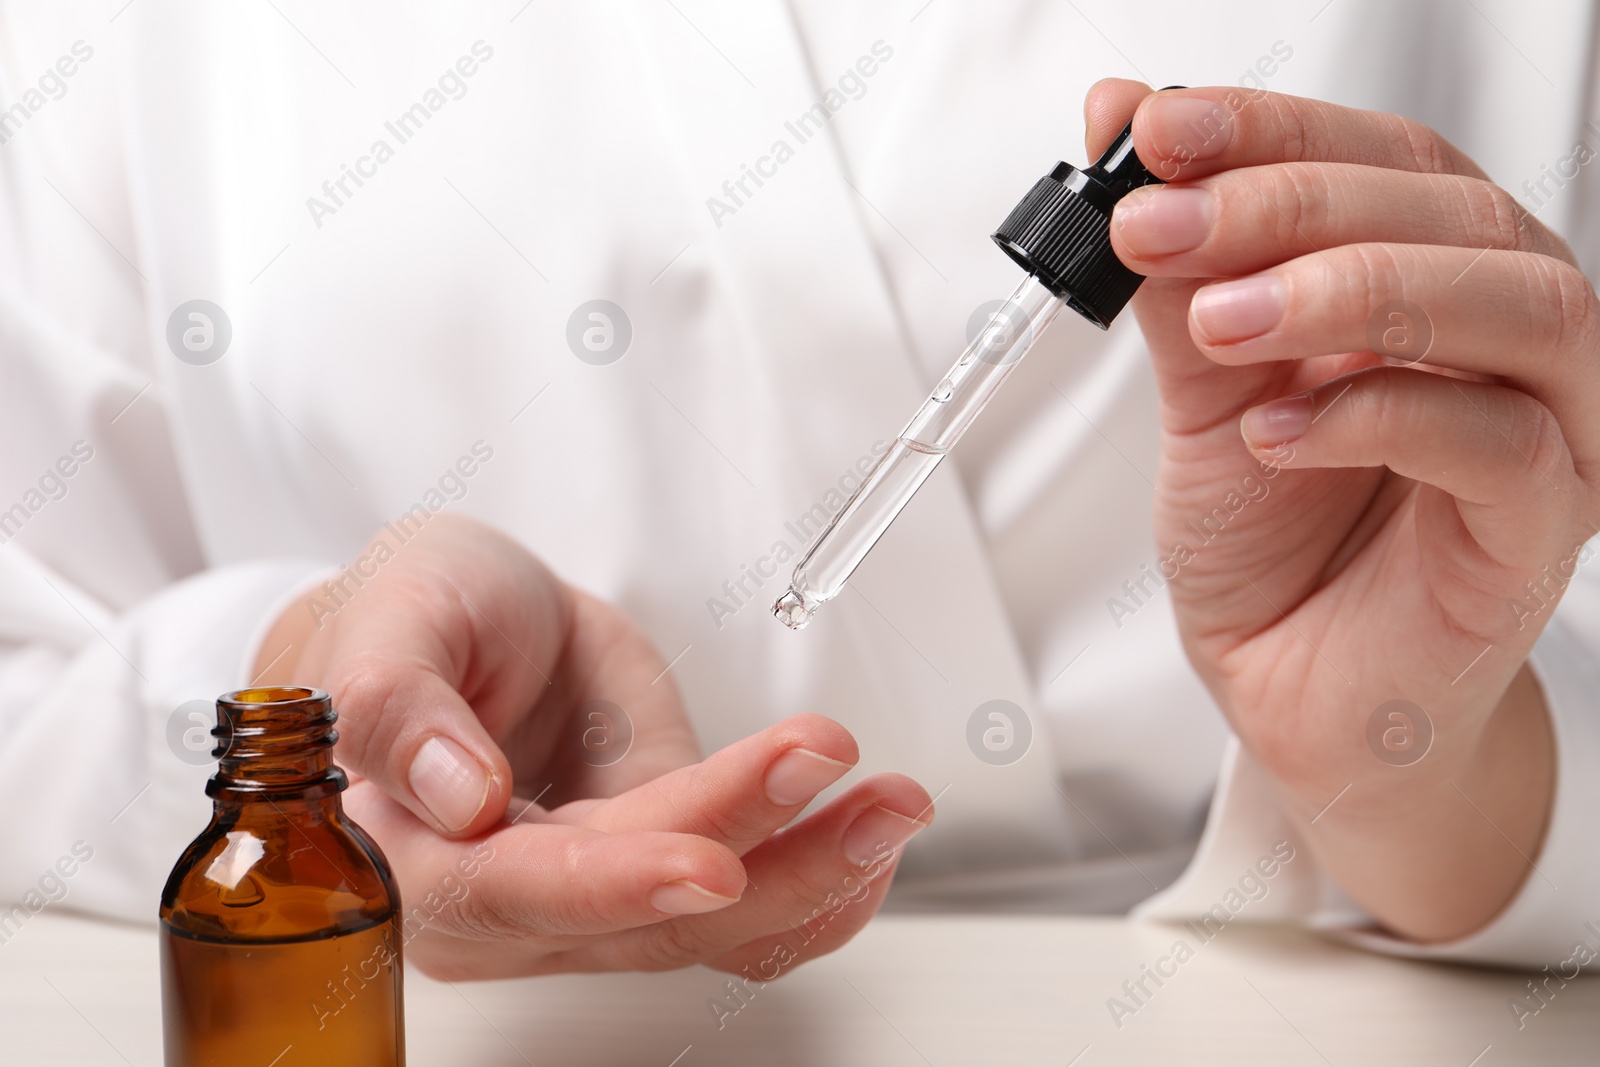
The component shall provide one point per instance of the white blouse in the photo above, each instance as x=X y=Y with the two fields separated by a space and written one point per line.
x=393 y=232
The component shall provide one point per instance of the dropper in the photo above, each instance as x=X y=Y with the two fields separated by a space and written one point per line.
x=1060 y=233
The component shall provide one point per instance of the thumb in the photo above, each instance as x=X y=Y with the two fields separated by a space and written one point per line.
x=1107 y=108
x=406 y=729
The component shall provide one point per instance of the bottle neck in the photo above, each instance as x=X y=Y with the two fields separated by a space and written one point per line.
x=275 y=744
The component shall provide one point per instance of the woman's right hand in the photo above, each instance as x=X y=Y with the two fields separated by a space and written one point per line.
x=471 y=682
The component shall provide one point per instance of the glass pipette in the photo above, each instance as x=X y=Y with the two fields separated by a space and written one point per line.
x=1061 y=235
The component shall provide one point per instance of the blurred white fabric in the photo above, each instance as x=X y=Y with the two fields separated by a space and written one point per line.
x=382 y=329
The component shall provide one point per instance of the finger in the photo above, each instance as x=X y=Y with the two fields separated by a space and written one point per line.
x=1107 y=107
x=412 y=643
x=1497 y=451
x=547 y=885
x=832 y=853
x=830 y=925
x=739 y=795
x=1529 y=319
x=1183 y=134
x=423 y=680
x=1242 y=221
x=407 y=729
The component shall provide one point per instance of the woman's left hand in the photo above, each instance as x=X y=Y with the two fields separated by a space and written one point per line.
x=1380 y=464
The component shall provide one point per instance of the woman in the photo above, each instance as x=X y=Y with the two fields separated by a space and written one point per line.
x=638 y=294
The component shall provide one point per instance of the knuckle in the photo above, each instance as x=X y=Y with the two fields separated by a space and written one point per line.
x=1494 y=216
x=1576 y=306
x=472 y=917
x=1299 y=201
x=1370 y=274
x=1429 y=152
x=816 y=898
x=704 y=808
x=1519 y=431
x=1534 y=434
x=721 y=825
x=734 y=824
x=553 y=901
x=1391 y=412
x=572 y=908
x=676 y=943
x=1300 y=134
x=815 y=894
x=362 y=687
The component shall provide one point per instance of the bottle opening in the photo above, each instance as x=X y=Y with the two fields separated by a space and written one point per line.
x=274 y=694
x=275 y=740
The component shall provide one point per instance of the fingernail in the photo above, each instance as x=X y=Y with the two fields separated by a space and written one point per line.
x=1279 y=422
x=798 y=775
x=877 y=833
x=1160 y=222
x=686 y=898
x=450 y=783
x=1184 y=128
x=1229 y=312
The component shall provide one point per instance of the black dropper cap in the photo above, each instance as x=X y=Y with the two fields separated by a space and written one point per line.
x=1061 y=231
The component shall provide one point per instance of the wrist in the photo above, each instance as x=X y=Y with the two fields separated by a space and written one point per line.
x=1435 y=850
x=1404 y=752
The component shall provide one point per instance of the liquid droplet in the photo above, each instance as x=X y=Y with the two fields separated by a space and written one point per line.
x=944 y=390
x=791 y=610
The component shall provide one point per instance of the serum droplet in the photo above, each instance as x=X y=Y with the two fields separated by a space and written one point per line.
x=944 y=390
x=791 y=610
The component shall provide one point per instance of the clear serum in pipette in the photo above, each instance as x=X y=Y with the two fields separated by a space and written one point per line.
x=1060 y=233
x=952 y=406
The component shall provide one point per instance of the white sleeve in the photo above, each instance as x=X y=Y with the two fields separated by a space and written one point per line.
x=109 y=620
x=91 y=765
x=1551 y=921
x=112 y=611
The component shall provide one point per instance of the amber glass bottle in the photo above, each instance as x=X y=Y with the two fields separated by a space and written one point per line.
x=280 y=924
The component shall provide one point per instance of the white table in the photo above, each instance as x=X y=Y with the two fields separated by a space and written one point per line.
x=909 y=990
